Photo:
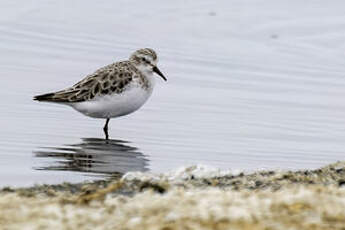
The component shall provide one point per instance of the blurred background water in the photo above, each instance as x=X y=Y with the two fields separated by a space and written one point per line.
x=252 y=85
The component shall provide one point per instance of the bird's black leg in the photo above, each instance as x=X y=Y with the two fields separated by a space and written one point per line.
x=105 y=129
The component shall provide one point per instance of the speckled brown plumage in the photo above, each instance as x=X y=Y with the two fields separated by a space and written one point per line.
x=113 y=78
x=115 y=90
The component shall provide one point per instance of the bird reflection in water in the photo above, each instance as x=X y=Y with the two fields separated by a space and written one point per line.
x=95 y=155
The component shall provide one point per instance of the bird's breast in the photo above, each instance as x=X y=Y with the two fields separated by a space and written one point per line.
x=115 y=105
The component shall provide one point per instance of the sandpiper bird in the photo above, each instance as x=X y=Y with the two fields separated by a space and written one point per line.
x=115 y=90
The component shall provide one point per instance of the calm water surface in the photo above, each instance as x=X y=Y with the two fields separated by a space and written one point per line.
x=252 y=85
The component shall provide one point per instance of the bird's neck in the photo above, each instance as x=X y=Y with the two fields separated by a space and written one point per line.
x=150 y=79
x=147 y=77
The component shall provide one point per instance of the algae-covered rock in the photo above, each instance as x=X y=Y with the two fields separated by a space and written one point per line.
x=190 y=198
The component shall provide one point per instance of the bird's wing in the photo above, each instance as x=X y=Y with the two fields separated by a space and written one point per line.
x=107 y=80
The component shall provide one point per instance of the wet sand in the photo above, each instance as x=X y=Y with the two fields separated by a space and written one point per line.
x=196 y=197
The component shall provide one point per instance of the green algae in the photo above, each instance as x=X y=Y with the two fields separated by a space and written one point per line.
x=305 y=199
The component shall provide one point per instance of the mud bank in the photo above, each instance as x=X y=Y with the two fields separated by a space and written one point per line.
x=189 y=198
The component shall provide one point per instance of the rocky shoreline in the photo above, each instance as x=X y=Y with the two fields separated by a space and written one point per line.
x=195 y=197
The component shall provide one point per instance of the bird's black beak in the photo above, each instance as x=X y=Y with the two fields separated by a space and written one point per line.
x=157 y=71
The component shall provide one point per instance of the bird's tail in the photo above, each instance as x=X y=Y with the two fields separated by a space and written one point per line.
x=45 y=97
x=64 y=96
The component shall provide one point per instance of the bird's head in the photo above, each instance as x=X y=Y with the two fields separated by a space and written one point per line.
x=146 y=61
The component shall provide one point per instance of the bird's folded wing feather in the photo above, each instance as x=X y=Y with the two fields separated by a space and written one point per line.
x=105 y=81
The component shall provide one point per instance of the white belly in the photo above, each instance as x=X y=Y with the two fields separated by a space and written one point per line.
x=114 y=105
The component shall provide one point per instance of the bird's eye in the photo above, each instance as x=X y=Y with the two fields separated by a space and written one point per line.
x=145 y=60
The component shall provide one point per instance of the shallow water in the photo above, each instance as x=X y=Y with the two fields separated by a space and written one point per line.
x=252 y=84
x=94 y=155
